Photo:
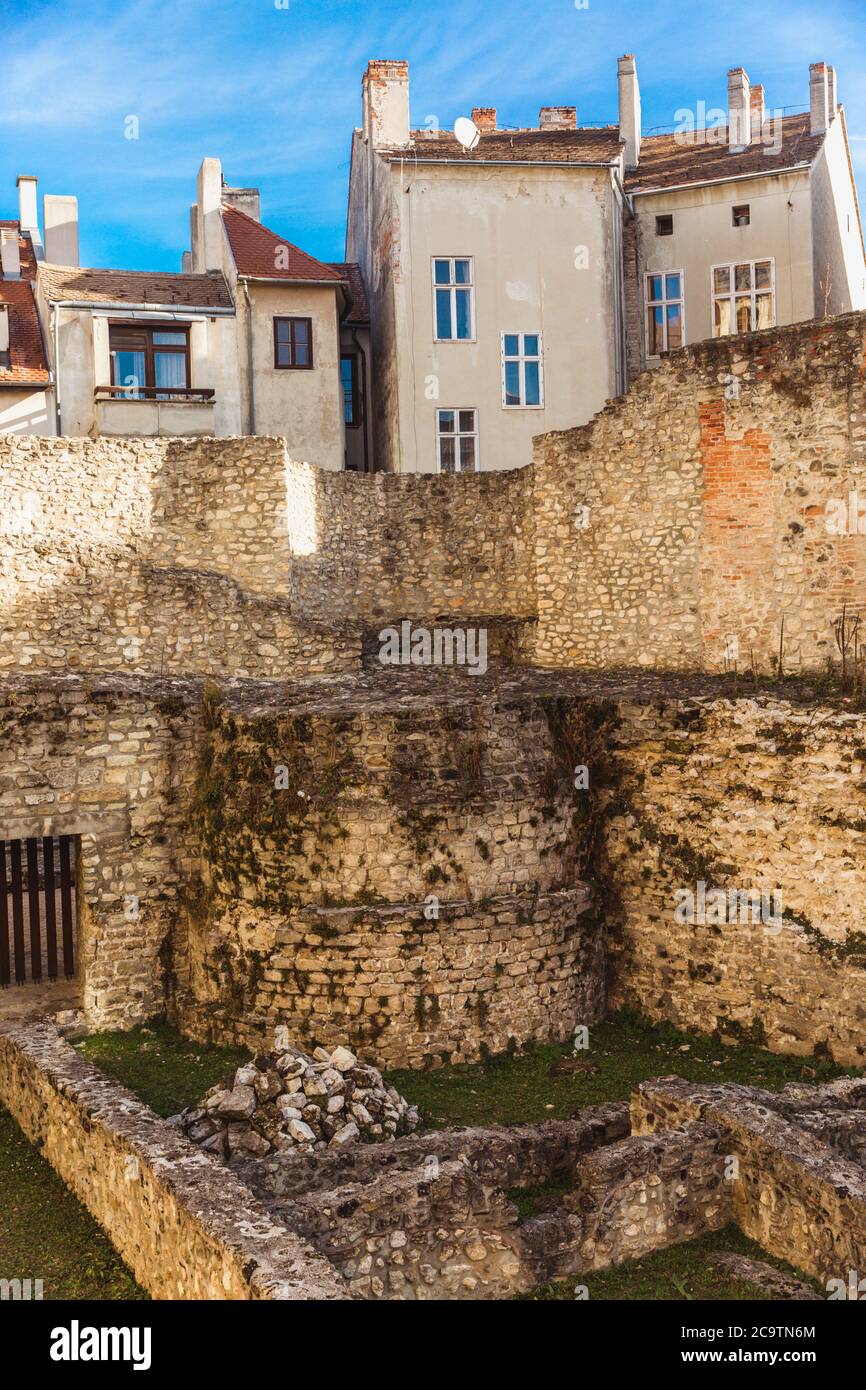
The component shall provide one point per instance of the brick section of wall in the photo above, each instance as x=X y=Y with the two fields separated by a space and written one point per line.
x=709 y=488
x=186 y=1226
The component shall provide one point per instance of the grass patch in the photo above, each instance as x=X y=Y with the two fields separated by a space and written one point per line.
x=45 y=1232
x=626 y=1050
x=678 y=1273
x=164 y=1069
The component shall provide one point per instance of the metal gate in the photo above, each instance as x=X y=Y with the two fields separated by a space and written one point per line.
x=37 y=909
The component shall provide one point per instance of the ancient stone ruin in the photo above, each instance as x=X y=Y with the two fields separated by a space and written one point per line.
x=268 y=825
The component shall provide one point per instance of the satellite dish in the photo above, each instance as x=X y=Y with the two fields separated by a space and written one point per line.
x=466 y=132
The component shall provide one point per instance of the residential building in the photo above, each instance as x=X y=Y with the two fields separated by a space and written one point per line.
x=741 y=225
x=518 y=278
x=26 y=382
x=253 y=337
x=303 y=369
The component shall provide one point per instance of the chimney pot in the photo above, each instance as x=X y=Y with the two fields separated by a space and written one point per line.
x=385 y=102
x=819 y=98
x=739 y=110
x=557 y=118
x=484 y=117
x=629 y=109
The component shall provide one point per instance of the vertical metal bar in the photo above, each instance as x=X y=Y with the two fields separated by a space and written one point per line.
x=5 y=974
x=33 y=910
x=66 y=904
x=50 y=905
x=18 y=912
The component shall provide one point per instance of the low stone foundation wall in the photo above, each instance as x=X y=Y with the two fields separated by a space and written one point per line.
x=185 y=1224
x=792 y=1192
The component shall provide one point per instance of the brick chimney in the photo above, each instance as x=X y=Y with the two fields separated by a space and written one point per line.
x=739 y=110
x=385 y=103
x=10 y=255
x=557 y=118
x=60 y=220
x=484 y=117
x=629 y=108
x=819 y=98
x=756 y=109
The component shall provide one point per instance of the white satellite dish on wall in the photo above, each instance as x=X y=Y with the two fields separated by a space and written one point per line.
x=467 y=132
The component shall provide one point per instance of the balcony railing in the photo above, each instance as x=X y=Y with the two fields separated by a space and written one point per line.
x=154 y=393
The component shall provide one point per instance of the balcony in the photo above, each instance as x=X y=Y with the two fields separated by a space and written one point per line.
x=154 y=410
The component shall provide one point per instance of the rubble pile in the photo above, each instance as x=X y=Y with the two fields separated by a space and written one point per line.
x=285 y=1100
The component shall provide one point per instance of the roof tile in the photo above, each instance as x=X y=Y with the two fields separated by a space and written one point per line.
x=134 y=287
x=261 y=254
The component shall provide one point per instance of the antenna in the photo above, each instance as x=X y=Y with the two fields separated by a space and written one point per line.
x=466 y=132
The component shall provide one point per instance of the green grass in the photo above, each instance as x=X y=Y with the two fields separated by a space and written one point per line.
x=45 y=1232
x=626 y=1050
x=680 y=1273
x=167 y=1071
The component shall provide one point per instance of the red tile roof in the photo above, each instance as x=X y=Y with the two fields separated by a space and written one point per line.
x=261 y=254
x=134 y=287
x=350 y=271
x=27 y=362
x=666 y=162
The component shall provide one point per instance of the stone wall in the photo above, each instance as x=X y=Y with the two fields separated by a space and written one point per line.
x=185 y=1224
x=745 y=794
x=790 y=1192
x=707 y=489
x=403 y=880
x=105 y=761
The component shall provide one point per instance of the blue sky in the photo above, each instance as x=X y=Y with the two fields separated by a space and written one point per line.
x=273 y=89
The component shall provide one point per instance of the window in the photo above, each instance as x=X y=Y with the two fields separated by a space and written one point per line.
x=457 y=441
x=522 y=374
x=454 y=296
x=665 y=225
x=742 y=215
x=744 y=297
x=150 y=360
x=665 y=313
x=293 y=343
x=349 y=381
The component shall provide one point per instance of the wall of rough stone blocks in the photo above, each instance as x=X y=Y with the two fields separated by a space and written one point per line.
x=105 y=761
x=790 y=1192
x=708 y=488
x=749 y=794
x=409 y=888
x=185 y=1225
x=367 y=547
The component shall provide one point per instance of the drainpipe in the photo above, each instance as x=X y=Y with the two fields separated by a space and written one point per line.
x=55 y=331
x=250 y=387
x=363 y=357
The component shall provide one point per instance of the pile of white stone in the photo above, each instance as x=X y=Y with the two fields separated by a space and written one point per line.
x=287 y=1100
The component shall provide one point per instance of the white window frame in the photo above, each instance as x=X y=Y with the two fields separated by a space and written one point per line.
x=522 y=358
x=452 y=287
x=733 y=295
x=457 y=434
x=649 y=303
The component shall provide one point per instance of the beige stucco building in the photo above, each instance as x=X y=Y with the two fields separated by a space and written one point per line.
x=518 y=278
